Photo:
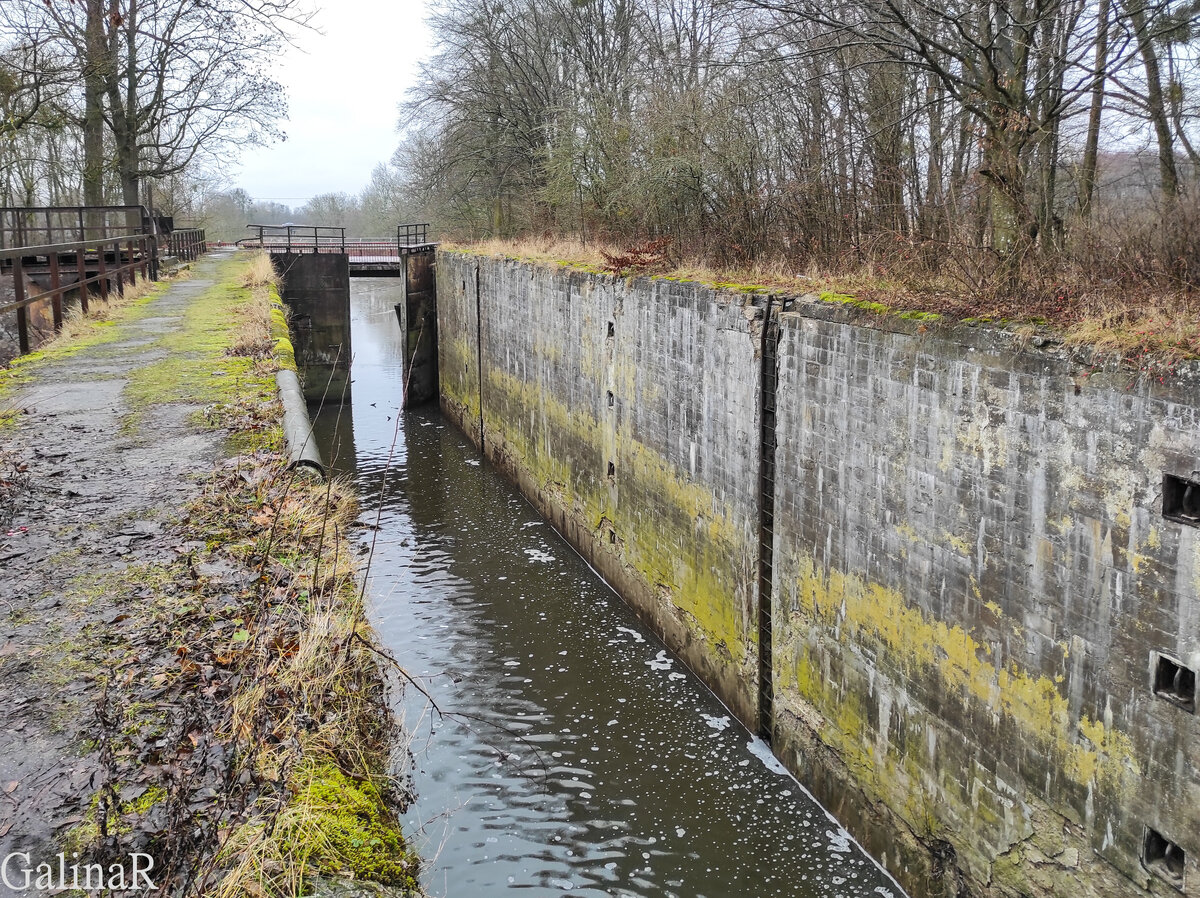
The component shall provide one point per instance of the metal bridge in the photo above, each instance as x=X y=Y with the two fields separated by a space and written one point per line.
x=366 y=258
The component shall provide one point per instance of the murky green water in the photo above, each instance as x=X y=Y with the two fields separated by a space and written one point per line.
x=572 y=753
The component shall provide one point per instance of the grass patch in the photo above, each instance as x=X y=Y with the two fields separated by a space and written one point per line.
x=1152 y=338
x=79 y=333
x=224 y=357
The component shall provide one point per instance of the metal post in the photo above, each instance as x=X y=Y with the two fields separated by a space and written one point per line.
x=56 y=302
x=82 y=269
x=119 y=262
x=103 y=273
x=22 y=313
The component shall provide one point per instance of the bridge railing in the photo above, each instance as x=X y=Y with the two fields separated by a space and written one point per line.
x=51 y=225
x=120 y=256
x=296 y=238
x=187 y=244
x=413 y=238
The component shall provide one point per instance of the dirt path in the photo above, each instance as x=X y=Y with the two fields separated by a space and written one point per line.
x=100 y=495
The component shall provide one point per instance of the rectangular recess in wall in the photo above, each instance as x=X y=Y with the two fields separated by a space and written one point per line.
x=611 y=399
x=612 y=329
x=1175 y=682
x=1181 y=500
x=1162 y=856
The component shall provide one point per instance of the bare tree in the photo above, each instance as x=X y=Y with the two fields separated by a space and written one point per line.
x=164 y=83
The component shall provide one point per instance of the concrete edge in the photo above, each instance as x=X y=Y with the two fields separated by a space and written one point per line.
x=297 y=427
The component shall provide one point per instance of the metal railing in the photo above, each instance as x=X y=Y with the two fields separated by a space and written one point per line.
x=50 y=225
x=296 y=239
x=413 y=238
x=120 y=256
x=187 y=244
x=410 y=238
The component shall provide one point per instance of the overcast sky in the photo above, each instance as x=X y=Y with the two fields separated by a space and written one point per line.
x=343 y=90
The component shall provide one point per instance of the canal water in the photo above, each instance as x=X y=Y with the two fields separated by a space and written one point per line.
x=569 y=753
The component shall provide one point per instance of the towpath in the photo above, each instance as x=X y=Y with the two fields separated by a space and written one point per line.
x=94 y=486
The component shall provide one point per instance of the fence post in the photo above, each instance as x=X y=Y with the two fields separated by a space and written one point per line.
x=103 y=272
x=81 y=269
x=22 y=312
x=56 y=302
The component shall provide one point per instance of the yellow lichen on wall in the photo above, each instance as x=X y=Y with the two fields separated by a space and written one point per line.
x=456 y=357
x=695 y=564
x=913 y=645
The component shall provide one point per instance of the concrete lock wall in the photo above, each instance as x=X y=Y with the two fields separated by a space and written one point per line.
x=316 y=288
x=418 y=321
x=973 y=584
x=619 y=423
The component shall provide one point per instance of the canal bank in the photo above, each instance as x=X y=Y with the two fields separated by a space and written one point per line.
x=950 y=573
x=186 y=673
x=567 y=750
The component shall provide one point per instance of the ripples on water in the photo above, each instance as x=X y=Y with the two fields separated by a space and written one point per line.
x=573 y=754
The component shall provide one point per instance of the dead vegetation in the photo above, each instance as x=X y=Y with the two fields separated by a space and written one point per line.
x=14 y=485
x=1123 y=307
x=647 y=257
x=253 y=337
x=245 y=731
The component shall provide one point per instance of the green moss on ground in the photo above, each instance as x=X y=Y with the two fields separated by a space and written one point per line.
x=198 y=368
x=343 y=825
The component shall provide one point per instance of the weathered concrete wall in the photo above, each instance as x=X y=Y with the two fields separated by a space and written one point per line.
x=316 y=287
x=972 y=575
x=578 y=378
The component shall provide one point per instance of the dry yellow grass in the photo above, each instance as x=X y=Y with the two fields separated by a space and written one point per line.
x=76 y=324
x=773 y=275
x=260 y=272
x=1150 y=332
x=1153 y=336
x=253 y=336
x=536 y=249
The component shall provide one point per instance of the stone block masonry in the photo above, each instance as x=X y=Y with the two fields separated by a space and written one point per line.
x=984 y=628
x=618 y=421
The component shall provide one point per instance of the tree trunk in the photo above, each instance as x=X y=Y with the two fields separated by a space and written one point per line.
x=1091 y=151
x=1156 y=106
x=123 y=106
x=94 y=67
x=1012 y=221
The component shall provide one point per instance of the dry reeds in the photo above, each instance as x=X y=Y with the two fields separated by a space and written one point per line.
x=253 y=337
x=259 y=271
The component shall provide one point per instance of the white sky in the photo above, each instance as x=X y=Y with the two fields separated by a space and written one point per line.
x=343 y=88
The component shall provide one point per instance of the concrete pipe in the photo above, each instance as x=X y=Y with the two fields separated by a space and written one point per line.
x=297 y=428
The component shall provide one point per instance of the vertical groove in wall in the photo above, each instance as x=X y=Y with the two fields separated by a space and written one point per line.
x=479 y=352
x=766 y=519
